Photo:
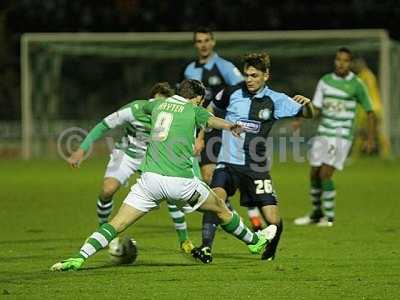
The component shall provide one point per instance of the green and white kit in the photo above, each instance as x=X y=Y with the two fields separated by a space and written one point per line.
x=168 y=167
x=337 y=99
x=130 y=151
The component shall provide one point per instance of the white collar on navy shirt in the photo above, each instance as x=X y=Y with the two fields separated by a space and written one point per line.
x=261 y=92
x=210 y=63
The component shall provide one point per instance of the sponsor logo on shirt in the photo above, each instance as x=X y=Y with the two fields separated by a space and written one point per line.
x=214 y=80
x=250 y=125
x=264 y=114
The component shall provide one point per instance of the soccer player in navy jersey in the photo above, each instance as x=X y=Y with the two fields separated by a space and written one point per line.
x=243 y=163
x=216 y=73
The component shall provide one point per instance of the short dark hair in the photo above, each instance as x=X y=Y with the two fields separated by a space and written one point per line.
x=345 y=50
x=162 y=88
x=206 y=30
x=191 y=88
x=260 y=61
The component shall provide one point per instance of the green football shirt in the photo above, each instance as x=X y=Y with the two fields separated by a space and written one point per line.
x=174 y=122
x=337 y=98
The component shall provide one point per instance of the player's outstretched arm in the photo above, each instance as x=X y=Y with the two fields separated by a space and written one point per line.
x=221 y=124
x=118 y=118
x=308 y=111
x=96 y=133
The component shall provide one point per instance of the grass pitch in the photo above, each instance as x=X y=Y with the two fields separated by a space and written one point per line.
x=47 y=210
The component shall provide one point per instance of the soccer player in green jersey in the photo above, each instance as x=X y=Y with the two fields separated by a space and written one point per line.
x=127 y=156
x=335 y=98
x=168 y=174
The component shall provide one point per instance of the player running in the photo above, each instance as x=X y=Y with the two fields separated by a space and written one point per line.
x=216 y=73
x=127 y=156
x=243 y=163
x=168 y=174
x=335 y=98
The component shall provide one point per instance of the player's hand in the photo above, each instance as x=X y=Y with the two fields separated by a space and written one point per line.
x=237 y=129
x=301 y=99
x=75 y=159
x=198 y=146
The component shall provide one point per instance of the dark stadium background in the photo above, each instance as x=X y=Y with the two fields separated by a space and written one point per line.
x=17 y=17
x=48 y=209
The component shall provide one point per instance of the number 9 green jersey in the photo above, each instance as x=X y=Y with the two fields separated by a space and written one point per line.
x=174 y=123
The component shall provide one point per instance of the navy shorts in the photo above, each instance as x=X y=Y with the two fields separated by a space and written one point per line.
x=255 y=187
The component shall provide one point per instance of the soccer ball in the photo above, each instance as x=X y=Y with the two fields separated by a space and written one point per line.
x=123 y=250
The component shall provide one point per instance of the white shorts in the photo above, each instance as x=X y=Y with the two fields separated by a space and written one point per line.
x=121 y=166
x=187 y=194
x=331 y=151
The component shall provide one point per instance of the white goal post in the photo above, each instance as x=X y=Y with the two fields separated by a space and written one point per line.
x=28 y=39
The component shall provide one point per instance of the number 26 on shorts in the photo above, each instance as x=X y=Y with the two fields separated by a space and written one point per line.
x=263 y=186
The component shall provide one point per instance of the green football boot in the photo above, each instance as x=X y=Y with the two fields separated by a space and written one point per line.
x=258 y=247
x=264 y=237
x=68 y=264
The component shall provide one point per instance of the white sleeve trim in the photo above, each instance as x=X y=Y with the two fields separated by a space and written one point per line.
x=119 y=117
